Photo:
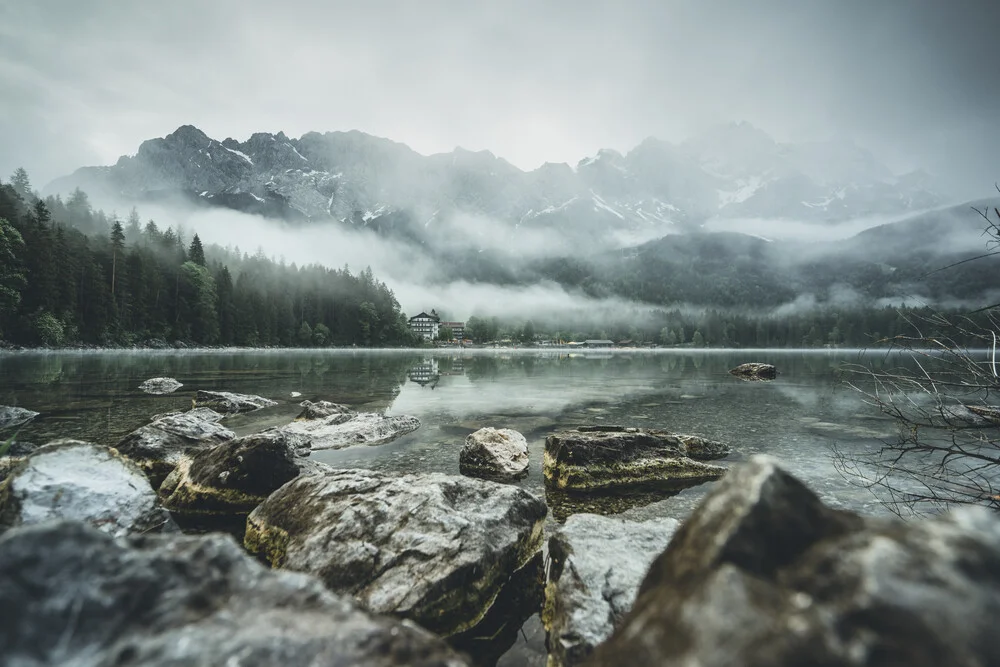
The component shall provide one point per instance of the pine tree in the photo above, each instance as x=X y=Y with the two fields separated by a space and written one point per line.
x=196 y=253
x=117 y=247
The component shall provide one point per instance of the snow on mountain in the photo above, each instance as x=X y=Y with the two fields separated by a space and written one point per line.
x=734 y=171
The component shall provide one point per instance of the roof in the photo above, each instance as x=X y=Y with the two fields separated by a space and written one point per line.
x=599 y=342
x=423 y=314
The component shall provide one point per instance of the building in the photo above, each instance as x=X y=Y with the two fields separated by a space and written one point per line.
x=426 y=326
x=599 y=343
x=457 y=329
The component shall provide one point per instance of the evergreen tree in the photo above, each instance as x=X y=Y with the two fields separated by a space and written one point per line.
x=196 y=253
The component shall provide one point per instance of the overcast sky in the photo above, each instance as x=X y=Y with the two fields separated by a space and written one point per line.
x=532 y=81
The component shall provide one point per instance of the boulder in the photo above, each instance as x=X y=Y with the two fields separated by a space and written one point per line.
x=323 y=409
x=70 y=479
x=17 y=451
x=596 y=566
x=603 y=458
x=229 y=403
x=160 y=386
x=436 y=549
x=75 y=596
x=755 y=371
x=234 y=477
x=764 y=574
x=11 y=417
x=346 y=429
x=158 y=446
x=494 y=454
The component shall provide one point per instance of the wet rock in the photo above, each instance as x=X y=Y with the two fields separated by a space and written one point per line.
x=82 y=598
x=601 y=458
x=229 y=403
x=436 y=549
x=70 y=479
x=755 y=371
x=341 y=430
x=11 y=417
x=494 y=454
x=160 y=386
x=324 y=409
x=234 y=477
x=596 y=566
x=764 y=574
x=158 y=446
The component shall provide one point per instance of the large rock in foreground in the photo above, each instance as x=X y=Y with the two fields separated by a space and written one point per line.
x=158 y=446
x=764 y=574
x=11 y=417
x=230 y=403
x=610 y=457
x=160 y=386
x=755 y=371
x=491 y=453
x=234 y=477
x=433 y=548
x=323 y=409
x=596 y=566
x=69 y=479
x=347 y=429
x=73 y=596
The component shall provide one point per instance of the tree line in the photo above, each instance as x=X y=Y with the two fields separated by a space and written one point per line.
x=70 y=274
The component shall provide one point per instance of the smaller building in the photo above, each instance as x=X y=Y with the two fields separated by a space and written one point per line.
x=599 y=343
x=457 y=329
x=426 y=326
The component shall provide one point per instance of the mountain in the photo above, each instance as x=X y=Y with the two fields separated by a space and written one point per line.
x=733 y=171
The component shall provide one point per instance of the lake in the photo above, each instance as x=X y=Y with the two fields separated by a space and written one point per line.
x=799 y=418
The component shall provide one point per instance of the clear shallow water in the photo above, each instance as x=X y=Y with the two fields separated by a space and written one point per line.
x=798 y=418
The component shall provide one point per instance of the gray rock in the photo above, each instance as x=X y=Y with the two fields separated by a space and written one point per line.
x=11 y=416
x=157 y=447
x=602 y=458
x=74 y=596
x=234 y=477
x=160 y=386
x=436 y=549
x=229 y=403
x=323 y=409
x=346 y=429
x=596 y=566
x=494 y=454
x=764 y=574
x=69 y=479
x=755 y=371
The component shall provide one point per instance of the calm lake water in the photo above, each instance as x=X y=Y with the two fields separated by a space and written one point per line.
x=799 y=418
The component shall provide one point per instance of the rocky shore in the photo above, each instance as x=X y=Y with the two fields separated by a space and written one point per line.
x=385 y=569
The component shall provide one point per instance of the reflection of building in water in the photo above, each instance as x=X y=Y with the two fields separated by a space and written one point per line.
x=426 y=326
x=425 y=372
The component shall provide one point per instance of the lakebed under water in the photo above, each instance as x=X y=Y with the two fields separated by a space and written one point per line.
x=800 y=418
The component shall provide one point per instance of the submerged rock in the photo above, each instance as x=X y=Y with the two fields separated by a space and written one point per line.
x=436 y=549
x=755 y=371
x=494 y=454
x=346 y=429
x=83 y=598
x=234 y=477
x=323 y=409
x=601 y=458
x=11 y=416
x=229 y=403
x=157 y=447
x=70 y=479
x=596 y=566
x=764 y=574
x=160 y=386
